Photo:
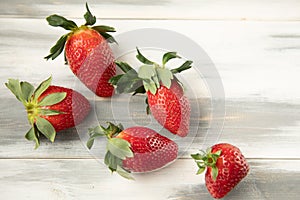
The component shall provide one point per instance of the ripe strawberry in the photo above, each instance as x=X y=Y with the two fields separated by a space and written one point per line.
x=226 y=167
x=49 y=108
x=165 y=96
x=135 y=149
x=171 y=108
x=87 y=52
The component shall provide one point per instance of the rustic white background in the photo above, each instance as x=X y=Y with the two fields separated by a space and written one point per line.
x=255 y=46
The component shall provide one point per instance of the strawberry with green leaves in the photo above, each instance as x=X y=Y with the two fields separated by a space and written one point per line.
x=226 y=167
x=165 y=95
x=135 y=149
x=86 y=51
x=49 y=108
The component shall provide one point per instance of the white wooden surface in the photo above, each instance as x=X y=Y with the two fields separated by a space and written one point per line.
x=255 y=46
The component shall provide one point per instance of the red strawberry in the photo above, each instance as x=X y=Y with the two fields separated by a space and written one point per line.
x=87 y=52
x=135 y=149
x=171 y=108
x=49 y=108
x=226 y=167
x=165 y=96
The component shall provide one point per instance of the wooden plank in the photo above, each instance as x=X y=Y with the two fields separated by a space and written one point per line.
x=252 y=126
x=89 y=179
x=171 y=9
x=251 y=57
x=257 y=61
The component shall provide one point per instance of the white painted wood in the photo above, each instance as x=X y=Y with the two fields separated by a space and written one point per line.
x=255 y=46
x=163 y=9
x=88 y=179
x=256 y=127
x=248 y=56
x=253 y=58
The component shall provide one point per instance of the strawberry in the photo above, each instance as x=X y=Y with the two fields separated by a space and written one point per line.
x=165 y=95
x=171 y=108
x=87 y=52
x=49 y=108
x=135 y=149
x=226 y=167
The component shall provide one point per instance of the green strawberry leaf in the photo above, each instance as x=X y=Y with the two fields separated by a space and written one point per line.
x=100 y=131
x=109 y=38
x=186 y=65
x=128 y=83
x=168 y=56
x=124 y=173
x=207 y=159
x=197 y=156
x=46 y=128
x=112 y=129
x=112 y=161
x=201 y=170
x=104 y=29
x=58 y=48
x=216 y=155
x=165 y=76
x=89 y=18
x=115 y=79
x=148 y=111
x=59 y=21
x=93 y=133
x=27 y=90
x=149 y=85
x=139 y=90
x=52 y=99
x=119 y=148
x=48 y=112
x=42 y=88
x=14 y=86
x=65 y=57
x=142 y=58
x=125 y=67
x=31 y=136
x=146 y=72
x=90 y=143
x=214 y=172
x=115 y=164
x=156 y=80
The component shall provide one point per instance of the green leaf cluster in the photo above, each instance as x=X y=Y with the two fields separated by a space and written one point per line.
x=154 y=76
x=36 y=107
x=150 y=75
x=207 y=159
x=129 y=82
x=89 y=18
x=118 y=149
x=100 y=131
x=60 y=21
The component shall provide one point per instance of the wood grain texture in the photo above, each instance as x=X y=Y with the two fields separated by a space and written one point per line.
x=258 y=10
x=255 y=46
x=88 y=179
x=242 y=52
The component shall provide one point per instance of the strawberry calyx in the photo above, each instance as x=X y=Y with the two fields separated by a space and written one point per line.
x=149 y=77
x=59 y=21
x=206 y=159
x=118 y=149
x=37 y=108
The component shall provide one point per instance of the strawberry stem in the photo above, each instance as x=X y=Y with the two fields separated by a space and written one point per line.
x=118 y=149
x=207 y=159
x=30 y=97
x=60 y=21
x=149 y=76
